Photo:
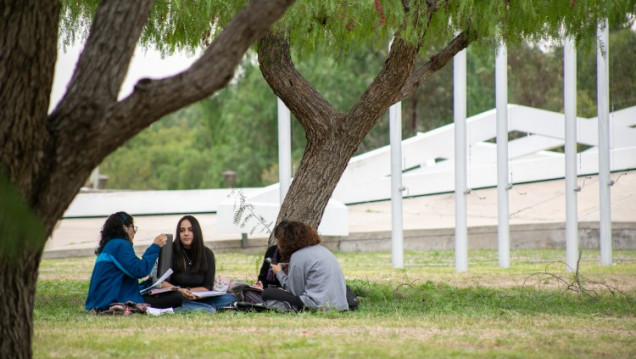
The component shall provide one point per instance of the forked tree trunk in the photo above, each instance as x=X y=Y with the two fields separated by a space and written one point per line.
x=332 y=137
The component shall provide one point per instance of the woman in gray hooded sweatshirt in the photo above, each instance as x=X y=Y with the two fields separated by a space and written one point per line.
x=313 y=278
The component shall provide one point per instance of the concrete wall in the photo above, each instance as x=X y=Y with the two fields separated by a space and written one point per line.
x=523 y=236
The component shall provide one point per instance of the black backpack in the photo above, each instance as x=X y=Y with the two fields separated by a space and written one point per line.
x=352 y=300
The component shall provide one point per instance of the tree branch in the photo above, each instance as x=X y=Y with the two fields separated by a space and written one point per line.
x=385 y=88
x=435 y=63
x=310 y=108
x=152 y=99
x=103 y=64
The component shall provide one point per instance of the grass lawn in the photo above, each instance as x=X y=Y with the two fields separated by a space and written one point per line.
x=424 y=310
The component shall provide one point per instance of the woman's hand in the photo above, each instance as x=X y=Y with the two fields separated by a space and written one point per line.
x=258 y=284
x=161 y=240
x=276 y=268
x=187 y=294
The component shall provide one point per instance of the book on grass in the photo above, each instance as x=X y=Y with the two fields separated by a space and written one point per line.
x=157 y=284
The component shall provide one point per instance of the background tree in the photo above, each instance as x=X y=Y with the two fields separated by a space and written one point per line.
x=47 y=157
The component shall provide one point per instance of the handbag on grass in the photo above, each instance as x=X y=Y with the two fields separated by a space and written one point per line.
x=268 y=305
x=247 y=293
x=127 y=308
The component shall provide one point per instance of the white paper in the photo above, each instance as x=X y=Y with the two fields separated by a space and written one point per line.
x=158 y=311
x=157 y=284
x=209 y=293
x=222 y=287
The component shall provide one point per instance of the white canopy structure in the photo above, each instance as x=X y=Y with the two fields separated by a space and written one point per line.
x=428 y=161
x=428 y=158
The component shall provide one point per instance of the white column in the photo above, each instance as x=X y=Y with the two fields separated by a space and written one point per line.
x=501 y=102
x=95 y=178
x=284 y=149
x=602 y=73
x=571 y=188
x=461 y=188
x=397 y=232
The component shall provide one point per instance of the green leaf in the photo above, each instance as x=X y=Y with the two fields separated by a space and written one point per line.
x=20 y=229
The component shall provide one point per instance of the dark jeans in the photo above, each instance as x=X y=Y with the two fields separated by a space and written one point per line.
x=283 y=295
x=164 y=300
x=220 y=301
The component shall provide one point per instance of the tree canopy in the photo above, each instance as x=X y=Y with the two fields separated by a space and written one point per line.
x=338 y=26
x=218 y=133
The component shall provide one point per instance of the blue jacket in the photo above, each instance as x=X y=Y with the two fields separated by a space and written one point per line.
x=117 y=272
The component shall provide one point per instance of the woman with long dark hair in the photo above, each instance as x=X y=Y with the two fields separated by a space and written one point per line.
x=117 y=270
x=313 y=278
x=194 y=267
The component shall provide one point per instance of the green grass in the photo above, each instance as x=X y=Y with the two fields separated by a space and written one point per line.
x=424 y=310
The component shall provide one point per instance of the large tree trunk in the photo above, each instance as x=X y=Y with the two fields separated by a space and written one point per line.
x=28 y=38
x=19 y=275
x=332 y=137
x=321 y=167
x=48 y=158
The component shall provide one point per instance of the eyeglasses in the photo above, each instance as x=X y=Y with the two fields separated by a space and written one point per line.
x=134 y=228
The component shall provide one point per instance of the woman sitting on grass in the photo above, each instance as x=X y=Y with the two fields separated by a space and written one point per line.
x=117 y=270
x=313 y=278
x=266 y=277
x=194 y=268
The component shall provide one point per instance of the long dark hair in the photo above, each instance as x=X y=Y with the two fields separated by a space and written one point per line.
x=292 y=236
x=179 y=258
x=114 y=228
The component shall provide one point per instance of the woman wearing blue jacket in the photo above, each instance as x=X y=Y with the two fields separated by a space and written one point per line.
x=117 y=270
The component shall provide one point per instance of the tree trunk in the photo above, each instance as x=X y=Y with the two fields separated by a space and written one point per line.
x=320 y=169
x=16 y=303
x=28 y=38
